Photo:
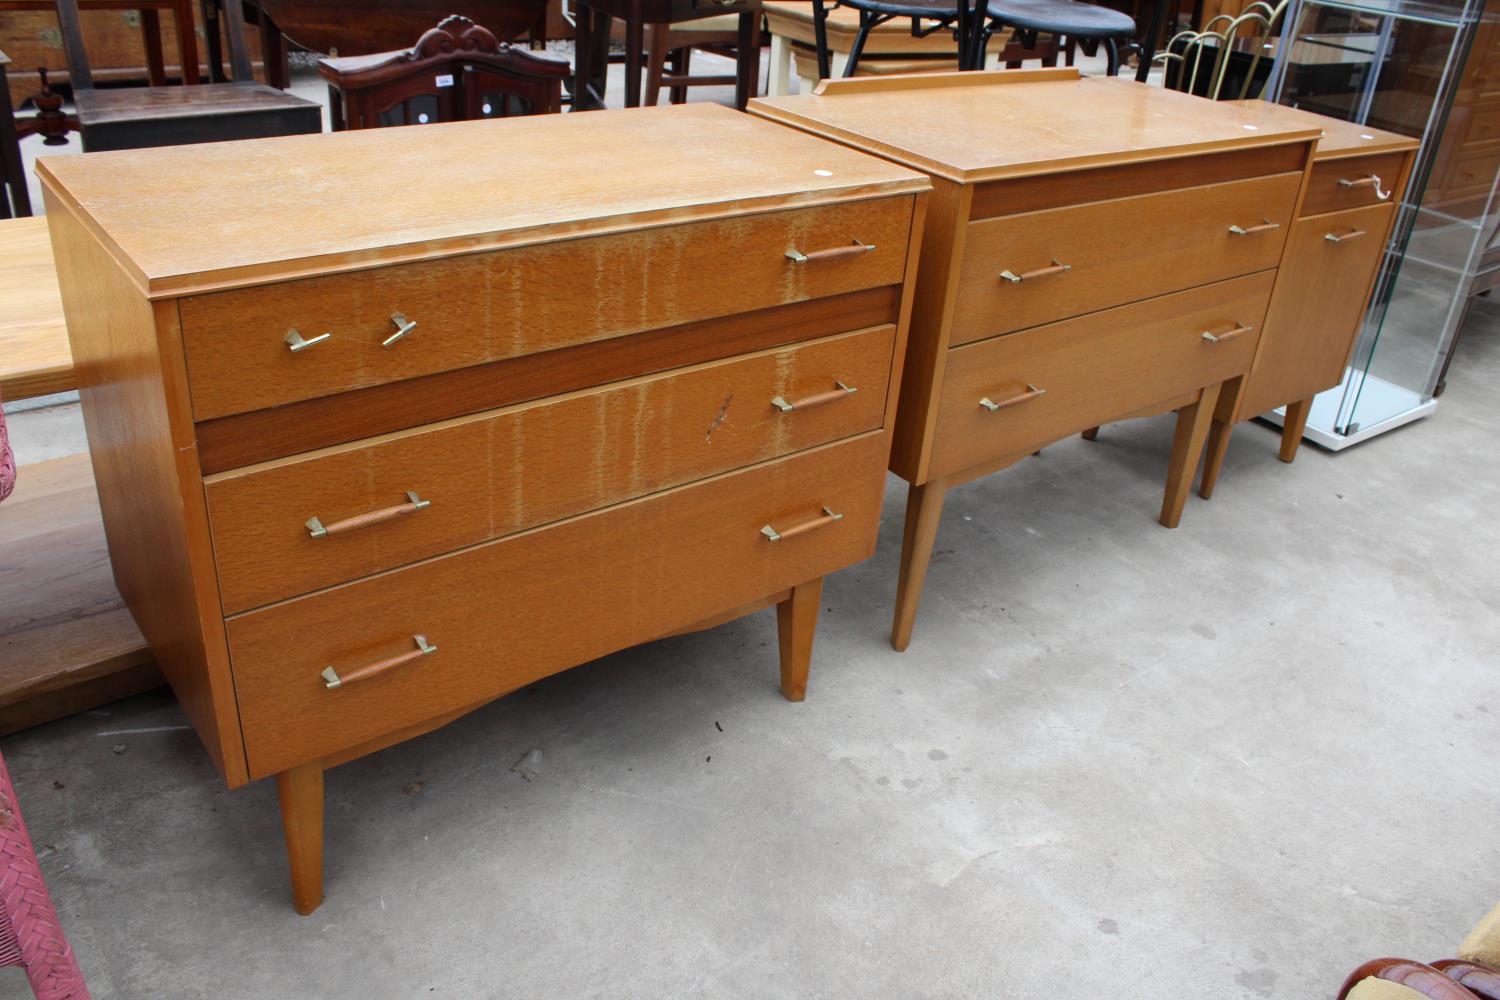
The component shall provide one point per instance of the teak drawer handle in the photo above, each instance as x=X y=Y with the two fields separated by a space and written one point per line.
x=854 y=249
x=403 y=327
x=298 y=343
x=1032 y=392
x=331 y=678
x=843 y=391
x=1219 y=338
x=772 y=535
x=1056 y=267
x=1372 y=181
x=1265 y=227
x=1352 y=234
x=317 y=529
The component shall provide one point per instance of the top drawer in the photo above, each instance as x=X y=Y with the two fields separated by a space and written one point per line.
x=1352 y=182
x=485 y=307
x=1092 y=256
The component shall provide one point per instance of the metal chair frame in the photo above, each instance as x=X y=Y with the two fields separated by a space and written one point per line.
x=1194 y=42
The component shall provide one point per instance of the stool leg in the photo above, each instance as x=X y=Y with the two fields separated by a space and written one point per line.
x=866 y=22
x=820 y=35
x=1113 y=51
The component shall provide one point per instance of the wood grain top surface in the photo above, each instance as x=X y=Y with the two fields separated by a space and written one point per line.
x=976 y=126
x=34 y=355
x=193 y=218
x=1340 y=138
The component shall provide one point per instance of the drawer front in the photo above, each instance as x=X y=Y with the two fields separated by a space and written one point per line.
x=1054 y=380
x=1117 y=251
x=1320 y=299
x=495 y=473
x=508 y=613
x=490 y=306
x=1341 y=184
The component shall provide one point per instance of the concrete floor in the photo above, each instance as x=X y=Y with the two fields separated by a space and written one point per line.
x=1227 y=761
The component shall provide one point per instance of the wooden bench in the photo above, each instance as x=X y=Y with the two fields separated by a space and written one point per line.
x=67 y=643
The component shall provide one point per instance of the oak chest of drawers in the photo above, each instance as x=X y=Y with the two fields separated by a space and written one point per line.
x=1334 y=253
x=1095 y=249
x=450 y=409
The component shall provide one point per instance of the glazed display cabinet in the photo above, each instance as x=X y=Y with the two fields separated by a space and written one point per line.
x=1429 y=70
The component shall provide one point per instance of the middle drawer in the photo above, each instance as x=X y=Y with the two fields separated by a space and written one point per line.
x=499 y=472
x=1117 y=252
x=1015 y=393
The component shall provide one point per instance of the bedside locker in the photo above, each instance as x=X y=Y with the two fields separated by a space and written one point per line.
x=1333 y=256
x=1095 y=250
x=475 y=404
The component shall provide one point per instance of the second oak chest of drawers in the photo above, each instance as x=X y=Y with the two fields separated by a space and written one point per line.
x=1095 y=249
x=442 y=411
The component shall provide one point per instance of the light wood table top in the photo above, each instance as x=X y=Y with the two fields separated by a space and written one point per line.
x=979 y=126
x=348 y=200
x=1340 y=138
x=34 y=354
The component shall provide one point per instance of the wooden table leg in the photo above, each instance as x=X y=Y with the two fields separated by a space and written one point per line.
x=635 y=43
x=1293 y=426
x=1187 y=448
x=187 y=41
x=156 y=67
x=779 y=82
x=1213 y=457
x=301 y=794
x=1092 y=434
x=796 y=622
x=924 y=508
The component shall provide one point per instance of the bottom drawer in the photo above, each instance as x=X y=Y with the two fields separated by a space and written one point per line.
x=1321 y=294
x=506 y=613
x=1014 y=393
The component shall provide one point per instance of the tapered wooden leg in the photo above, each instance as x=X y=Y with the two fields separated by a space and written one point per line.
x=924 y=508
x=301 y=794
x=1091 y=434
x=1187 y=448
x=796 y=622
x=1293 y=426
x=1213 y=456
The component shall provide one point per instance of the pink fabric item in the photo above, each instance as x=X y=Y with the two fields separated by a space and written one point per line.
x=7 y=461
x=30 y=935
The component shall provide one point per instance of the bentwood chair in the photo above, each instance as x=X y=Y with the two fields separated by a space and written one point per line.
x=30 y=935
x=1086 y=25
x=1230 y=59
x=927 y=17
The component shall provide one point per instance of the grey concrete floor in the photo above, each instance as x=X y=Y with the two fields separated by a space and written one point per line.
x=1227 y=761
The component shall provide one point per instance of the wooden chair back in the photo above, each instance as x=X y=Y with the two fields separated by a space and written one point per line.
x=82 y=76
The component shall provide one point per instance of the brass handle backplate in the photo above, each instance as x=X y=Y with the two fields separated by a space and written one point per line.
x=332 y=679
x=828 y=517
x=1219 y=338
x=855 y=249
x=403 y=327
x=1265 y=227
x=1032 y=392
x=1352 y=234
x=1372 y=181
x=298 y=343
x=806 y=402
x=1056 y=267
x=317 y=529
